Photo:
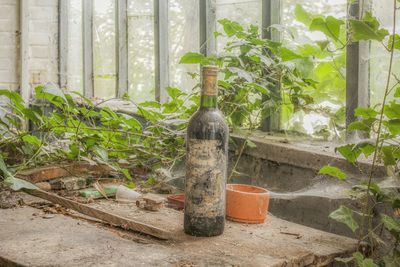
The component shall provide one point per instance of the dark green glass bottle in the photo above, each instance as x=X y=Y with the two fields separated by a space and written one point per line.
x=206 y=163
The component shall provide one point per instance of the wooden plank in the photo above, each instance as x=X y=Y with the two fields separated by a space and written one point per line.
x=110 y=218
x=87 y=36
x=63 y=43
x=271 y=14
x=122 y=47
x=207 y=24
x=357 y=72
x=25 y=89
x=161 y=49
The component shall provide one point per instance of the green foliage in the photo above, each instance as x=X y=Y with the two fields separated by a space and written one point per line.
x=333 y=171
x=72 y=131
x=254 y=70
x=345 y=215
x=363 y=262
x=367 y=29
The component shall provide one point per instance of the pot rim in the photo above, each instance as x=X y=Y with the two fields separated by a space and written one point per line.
x=265 y=191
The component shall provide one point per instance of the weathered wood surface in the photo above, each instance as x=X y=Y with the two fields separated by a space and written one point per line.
x=61 y=240
x=107 y=217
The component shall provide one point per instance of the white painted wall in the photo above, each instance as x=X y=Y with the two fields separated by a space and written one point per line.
x=42 y=42
x=9 y=44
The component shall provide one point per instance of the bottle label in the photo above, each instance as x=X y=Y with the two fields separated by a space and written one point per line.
x=205 y=178
x=210 y=86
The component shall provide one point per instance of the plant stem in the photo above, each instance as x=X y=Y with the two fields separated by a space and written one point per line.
x=377 y=146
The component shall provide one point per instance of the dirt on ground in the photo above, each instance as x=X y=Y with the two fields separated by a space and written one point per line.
x=8 y=199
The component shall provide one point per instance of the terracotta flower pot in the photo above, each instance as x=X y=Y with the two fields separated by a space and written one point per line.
x=246 y=203
x=176 y=201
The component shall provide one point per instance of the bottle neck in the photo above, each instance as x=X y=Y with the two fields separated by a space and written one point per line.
x=207 y=101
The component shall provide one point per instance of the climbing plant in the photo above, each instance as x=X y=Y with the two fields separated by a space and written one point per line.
x=383 y=124
x=262 y=77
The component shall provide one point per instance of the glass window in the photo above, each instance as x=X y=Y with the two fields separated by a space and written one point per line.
x=104 y=51
x=74 y=55
x=141 y=50
x=183 y=38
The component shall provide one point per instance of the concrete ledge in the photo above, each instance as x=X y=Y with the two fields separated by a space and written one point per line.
x=303 y=155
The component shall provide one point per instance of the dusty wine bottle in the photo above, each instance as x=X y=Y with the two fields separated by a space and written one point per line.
x=206 y=163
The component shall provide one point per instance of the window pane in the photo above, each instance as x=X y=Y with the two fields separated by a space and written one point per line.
x=245 y=12
x=104 y=56
x=74 y=55
x=141 y=50
x=183 y=38
x=379 y=57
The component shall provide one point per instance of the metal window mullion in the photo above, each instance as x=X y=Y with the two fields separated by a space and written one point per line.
x=122 y=47
x=63 y=6
x=271 y=14
x=25 y=89
x=87 y=18
x=161 y=45
x=207 y=10
x=357 y=70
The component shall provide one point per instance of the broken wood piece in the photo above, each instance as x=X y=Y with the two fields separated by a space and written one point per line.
x=150 y=202
x=65 y=183
x=46 y=173
x=45 y=186
x=110 y=218
x=68 y=183
x=153 y=199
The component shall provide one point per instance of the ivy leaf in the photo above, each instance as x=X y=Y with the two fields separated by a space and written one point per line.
x=329 y=26
x=51 y=93
x=392 y=260
x=241 y=73
x=127 y=175
x=345 y=215
x=33 y=140
x=251 y=144
x=302 y=15
x=363 y=125
x=174 y=92
x=230 y=27
x=17 y=184
x=365 y=113
x=101 y=152
x=367 y=29
x=361 y=261
x=390 y=223
x=151 y=104
x=396 y=39
x=3 y=167
x=333 y=171
x=259 y=88
x=392 y=111
x=393 y=126
x=193 y=58
x=389 y=158
x=287 y=54
x=15 y=97
x=397 y=92
x=349 y=152
x=366 y=148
